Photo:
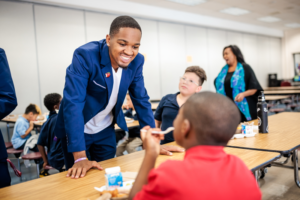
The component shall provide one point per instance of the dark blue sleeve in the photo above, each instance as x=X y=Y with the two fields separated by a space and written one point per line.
x=74 y=99
x=43 y=137
x=159 y=109
x=8 y=99
x=140 y=99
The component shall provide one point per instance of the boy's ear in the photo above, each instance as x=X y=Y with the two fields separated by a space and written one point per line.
x=185 y=128
x=56 y=107
x=199 y=88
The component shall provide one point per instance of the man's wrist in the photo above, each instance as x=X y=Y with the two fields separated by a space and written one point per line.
x=79 y=154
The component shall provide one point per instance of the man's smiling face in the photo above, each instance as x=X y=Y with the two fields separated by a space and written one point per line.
x=123 y=46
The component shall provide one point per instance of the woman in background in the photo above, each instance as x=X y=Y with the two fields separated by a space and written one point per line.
x=238 y=82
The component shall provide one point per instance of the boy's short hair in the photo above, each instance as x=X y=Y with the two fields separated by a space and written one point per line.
x=199 y=72
x=34 y=109
x=123 y=22
x=51 y=100
x=213 y=117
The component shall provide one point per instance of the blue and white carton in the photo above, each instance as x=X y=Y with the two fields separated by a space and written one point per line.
x=113 y=177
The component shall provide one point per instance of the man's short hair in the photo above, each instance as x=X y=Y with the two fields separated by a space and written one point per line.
x=213 y=117
x=199 y=72
x=51 y=100
x=123 y=22
x=34 y=109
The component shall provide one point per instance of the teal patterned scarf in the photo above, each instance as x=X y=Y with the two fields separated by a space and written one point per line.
x=237 y=85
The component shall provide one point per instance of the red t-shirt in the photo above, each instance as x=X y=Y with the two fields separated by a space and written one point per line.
x=206 y=172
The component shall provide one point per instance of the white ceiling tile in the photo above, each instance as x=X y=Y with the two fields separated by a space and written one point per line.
x=287 y=10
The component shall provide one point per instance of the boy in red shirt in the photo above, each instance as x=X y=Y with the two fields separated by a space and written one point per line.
x=203 y=126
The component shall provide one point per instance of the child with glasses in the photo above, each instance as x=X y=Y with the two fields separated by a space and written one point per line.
x=167 y=110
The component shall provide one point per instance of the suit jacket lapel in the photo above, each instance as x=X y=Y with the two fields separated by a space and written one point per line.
x=109 y=79
x=106 y=69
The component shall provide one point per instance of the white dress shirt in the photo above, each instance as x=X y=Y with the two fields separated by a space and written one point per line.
x=104 y=118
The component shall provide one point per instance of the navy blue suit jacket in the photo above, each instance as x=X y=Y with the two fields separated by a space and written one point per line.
x=87 y=92
x=8 y=99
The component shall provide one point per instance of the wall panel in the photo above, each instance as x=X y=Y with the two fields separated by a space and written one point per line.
x=59 y=32
x=17 y=38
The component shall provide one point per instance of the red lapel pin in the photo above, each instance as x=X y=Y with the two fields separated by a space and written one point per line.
x=107 y=74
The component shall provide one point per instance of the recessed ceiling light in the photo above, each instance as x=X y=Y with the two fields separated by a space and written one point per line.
x=189 y=2
x=293 y=25
x=269 y=19
x=235 y=11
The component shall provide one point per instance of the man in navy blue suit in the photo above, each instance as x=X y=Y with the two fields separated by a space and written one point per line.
x=97 y=81
x=8 y=102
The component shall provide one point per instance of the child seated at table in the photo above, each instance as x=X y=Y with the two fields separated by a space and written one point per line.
x=24 y=126
x=22 y=131
x=204 y=125
x=190 y=83
x=47 y=138
x=134 y=139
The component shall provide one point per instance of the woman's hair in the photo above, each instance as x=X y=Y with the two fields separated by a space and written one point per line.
x=237 y=52
x=199 y=72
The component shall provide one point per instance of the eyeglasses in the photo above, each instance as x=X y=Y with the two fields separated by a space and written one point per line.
x=188 y=81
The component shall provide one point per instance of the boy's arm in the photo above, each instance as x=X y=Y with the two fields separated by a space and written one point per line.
x=157 y=124
x=151 y=144
x=43 y=153
x=28 y=130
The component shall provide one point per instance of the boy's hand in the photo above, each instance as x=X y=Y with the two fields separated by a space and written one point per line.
x=45 y=164
x=31 y=124
x=166 y=149
x=151 y=142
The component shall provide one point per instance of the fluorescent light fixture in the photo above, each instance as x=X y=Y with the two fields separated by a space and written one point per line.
x=293 y=25
x=235 y=11
x=269 y=19
x=189 y=2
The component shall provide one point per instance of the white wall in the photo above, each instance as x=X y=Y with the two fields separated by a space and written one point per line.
x=196 y=46
x=172 y=55
x=57 y=32
x=17 y=38
x=291 y=45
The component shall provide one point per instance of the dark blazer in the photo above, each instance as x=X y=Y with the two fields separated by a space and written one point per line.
x=8 y=102
x=87 y=92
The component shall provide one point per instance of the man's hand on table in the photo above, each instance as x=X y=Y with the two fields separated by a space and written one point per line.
x=168 y=149
x=80 y=168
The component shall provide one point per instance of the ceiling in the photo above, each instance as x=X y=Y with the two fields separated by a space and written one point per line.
x=287 y=10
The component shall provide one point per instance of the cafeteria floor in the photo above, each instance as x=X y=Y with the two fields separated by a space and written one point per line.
x=278 y=183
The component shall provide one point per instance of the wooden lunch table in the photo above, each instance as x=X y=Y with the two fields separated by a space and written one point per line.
x=13 y=119
x=282 y=92
x=283 y=88
x=276 y=97
x=154 y=106
x=283 y=137
x=57 y=186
